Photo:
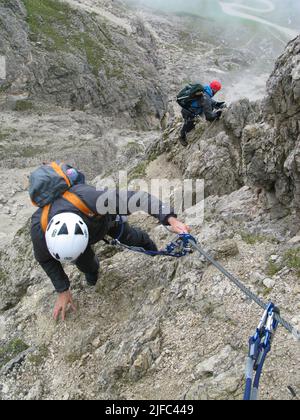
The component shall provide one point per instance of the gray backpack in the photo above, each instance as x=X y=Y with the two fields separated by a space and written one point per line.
x=51 y=181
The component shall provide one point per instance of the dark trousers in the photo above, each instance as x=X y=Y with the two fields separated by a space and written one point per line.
x=189 y=122
x=88 y=263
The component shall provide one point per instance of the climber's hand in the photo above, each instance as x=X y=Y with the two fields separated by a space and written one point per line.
x=177 y=226
x=218 y=114
x=222 y=105
x=63 y=302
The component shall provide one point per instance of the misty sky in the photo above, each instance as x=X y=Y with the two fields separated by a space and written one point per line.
x=262 y=26
x=272 y=14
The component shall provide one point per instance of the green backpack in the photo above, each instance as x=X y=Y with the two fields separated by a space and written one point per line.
x=188 y=94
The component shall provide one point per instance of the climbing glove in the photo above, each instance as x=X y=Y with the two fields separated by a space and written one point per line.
x=221 y=105
x=218 y=114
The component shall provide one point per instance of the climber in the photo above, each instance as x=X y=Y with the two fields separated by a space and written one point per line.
x=199 y=105
x=70 y=235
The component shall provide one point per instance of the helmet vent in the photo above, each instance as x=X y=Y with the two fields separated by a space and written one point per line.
x=78 y=230
x=63 y=230
x=50 y=224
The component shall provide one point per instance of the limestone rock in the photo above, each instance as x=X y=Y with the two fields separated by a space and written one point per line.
x=269 y=283
x=154 y=327
x=225 y=249
x=92 y=70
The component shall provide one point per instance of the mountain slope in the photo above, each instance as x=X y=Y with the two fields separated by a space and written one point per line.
x=74 y=58
x=153 y=328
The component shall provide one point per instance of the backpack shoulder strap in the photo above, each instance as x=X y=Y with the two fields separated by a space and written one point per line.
x=60 y=172
x=78 y=203
x=71 y=198
x=45 y=217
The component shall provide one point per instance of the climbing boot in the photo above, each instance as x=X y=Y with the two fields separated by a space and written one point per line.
x=183 y=140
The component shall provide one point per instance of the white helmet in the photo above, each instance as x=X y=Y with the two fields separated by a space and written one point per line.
x=67 y=237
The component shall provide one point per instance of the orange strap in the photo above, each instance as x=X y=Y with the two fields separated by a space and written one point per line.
x=45 y=217
x=78 y=203
x=70 y=197
x=60 y=172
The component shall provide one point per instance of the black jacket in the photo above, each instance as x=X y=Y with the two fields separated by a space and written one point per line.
x=98 y=226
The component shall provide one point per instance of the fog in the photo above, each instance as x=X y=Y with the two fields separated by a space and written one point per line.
x=262 y=27
x=278 y=18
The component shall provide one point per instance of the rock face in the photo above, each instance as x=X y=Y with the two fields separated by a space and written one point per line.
x=151 y=328
x=215 y=151
x=98 y=55
x=271 y=149
x=255 y=144
x=60 y=54
x=174 y=329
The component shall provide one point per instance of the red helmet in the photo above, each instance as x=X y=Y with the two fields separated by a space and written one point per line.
x=216 y=86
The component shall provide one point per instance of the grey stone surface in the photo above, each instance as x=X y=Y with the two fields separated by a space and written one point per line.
x=152 y=328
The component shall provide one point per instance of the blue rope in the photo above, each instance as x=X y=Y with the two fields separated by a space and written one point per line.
x=178 y=248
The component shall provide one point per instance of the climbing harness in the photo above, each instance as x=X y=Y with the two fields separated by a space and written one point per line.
x=260 y=343
x=259 y=347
